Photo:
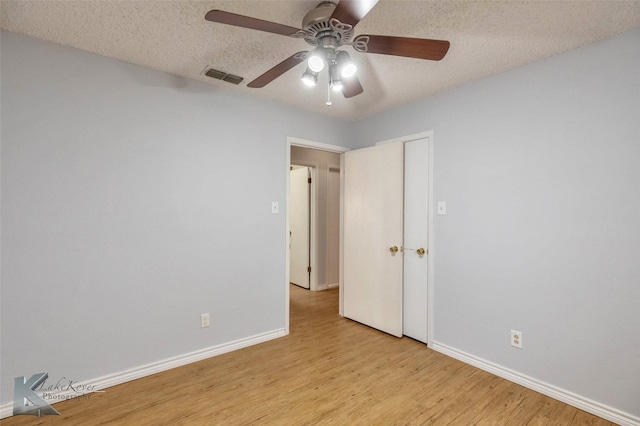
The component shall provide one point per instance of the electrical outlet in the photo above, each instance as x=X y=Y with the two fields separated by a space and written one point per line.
x=204 y=320
x=516 y=339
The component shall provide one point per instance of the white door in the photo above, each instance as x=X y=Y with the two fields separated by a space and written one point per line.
x=299 y=226
x=416 y=211
x=373 y=215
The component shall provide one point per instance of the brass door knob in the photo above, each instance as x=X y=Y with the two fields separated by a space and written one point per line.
x=393 y=249
x=420 y=251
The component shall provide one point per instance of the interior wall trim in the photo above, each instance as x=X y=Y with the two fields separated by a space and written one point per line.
x=100 y=383
x=315 y=145
x=581 y=402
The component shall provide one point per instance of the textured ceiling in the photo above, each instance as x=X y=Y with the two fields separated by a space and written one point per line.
x=487 y=37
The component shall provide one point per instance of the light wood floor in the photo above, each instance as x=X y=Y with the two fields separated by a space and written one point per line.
x=328 y=371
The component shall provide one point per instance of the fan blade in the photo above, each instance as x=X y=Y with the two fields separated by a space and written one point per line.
x=351 y=87
x=278 y=70
x=420 y=48
x=352 y=11
x=248 y=22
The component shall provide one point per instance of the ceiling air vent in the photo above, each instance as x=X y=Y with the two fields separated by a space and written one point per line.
x=221 y=75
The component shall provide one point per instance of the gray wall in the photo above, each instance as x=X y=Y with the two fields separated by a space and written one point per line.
x=540 y=169
x=132 y=202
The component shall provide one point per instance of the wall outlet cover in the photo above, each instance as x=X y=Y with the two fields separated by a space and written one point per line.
x=516 y=339
x=204 y=320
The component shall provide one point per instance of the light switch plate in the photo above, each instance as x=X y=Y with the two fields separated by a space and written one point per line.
x=442 y=207
x=275 y=208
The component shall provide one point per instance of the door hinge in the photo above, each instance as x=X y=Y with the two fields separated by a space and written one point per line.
x=309 y=180
x=309 y=269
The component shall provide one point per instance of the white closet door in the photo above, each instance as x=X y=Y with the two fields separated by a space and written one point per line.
x=416 y=211
x=373 y=216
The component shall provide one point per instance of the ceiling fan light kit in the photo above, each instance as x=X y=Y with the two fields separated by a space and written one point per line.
x=327 y=27
x=310 y=77
x=335 y=82
x=347 y=67
x=316 y=61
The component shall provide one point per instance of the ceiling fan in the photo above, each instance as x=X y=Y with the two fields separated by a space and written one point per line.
x=327 y=27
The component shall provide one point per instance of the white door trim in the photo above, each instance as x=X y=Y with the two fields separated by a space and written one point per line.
x=339 y=169
x=292 y=141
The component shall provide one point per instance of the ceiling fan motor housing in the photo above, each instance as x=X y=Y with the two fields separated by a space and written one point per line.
x=321 y=31
x=319 y=14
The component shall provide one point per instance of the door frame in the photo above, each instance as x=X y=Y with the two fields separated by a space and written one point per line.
x=338 y=167
x=292 y=141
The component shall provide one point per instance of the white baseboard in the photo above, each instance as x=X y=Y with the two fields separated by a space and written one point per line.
x=322 y=287
x=104 y=382
x=585 y=404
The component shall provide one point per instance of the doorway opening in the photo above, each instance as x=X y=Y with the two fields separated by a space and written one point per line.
x=322 y=164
